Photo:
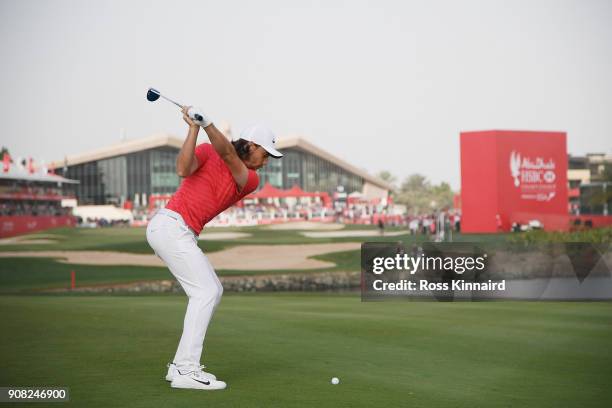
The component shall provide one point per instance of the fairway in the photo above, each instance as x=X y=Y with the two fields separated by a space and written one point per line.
x=36 y=274
x=282 y=350
x=133 y=239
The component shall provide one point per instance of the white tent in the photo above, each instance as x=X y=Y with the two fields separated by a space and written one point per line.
x=108 y=212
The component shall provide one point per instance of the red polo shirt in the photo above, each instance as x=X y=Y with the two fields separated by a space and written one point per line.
x=209 y=190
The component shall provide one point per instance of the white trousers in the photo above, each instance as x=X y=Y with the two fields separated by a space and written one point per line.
x=176 y=245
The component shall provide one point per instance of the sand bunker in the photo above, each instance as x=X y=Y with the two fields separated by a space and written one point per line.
x=267 y=257
x=354 y=233
x=89 y=257
x=26 y=240
x=244 y=257
x=306 y=225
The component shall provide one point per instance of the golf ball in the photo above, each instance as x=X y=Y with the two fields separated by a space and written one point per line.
x=335 y=381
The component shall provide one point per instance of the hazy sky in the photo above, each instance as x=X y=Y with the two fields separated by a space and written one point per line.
x=385 y=85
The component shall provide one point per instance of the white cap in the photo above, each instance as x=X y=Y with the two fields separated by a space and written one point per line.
x=262 y=136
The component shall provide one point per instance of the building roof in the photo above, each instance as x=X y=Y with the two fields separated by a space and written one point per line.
x=121 y=148
x=160 y=140
x=299 y=143
x=39 y=177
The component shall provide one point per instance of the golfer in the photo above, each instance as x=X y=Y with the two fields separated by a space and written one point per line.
x=216 y=176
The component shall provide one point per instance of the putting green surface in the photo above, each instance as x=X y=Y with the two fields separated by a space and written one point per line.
x=283 y=349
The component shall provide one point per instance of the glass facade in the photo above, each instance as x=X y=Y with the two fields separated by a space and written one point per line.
x=312 y=173
x=272 y=173
x=112 y=179
x=117 y=179
x=164 y=179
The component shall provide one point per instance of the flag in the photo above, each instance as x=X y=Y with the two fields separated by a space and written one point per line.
x=6 y=162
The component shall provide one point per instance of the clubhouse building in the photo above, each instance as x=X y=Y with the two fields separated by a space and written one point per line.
x=135 y=170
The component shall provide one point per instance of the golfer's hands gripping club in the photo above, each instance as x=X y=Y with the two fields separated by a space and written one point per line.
x=195 y=117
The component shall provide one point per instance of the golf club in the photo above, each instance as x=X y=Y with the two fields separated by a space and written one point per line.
x=153 y=95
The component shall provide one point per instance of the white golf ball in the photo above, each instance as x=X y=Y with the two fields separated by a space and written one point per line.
x=335 y=381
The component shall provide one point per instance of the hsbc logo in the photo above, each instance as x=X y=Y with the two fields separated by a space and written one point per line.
x=535 y=177
x=527 y=170
x=550 y=176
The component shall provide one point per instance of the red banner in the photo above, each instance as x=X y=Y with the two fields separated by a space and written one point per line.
x=23 y=224
x=6 y=162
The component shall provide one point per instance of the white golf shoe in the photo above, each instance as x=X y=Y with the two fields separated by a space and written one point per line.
x=195 y=379
x=172 y=371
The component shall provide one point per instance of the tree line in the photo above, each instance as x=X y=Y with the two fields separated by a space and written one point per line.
x=418 y=194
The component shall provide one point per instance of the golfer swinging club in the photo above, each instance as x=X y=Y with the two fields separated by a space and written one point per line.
x=216 y=176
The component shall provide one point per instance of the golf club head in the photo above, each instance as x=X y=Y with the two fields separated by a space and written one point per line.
x=152 y=95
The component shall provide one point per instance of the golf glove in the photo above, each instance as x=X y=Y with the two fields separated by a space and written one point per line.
x=198 y=117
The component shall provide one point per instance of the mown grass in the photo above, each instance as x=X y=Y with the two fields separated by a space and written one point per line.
x=280 y=350
x=133 y=239
x=19 y=275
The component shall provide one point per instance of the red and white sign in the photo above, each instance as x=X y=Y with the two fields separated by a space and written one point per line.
x=513 y=176
x=23 y=224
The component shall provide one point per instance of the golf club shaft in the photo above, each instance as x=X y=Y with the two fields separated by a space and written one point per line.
x=170 y=100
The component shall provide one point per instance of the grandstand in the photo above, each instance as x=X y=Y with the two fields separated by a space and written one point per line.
x=31 y=199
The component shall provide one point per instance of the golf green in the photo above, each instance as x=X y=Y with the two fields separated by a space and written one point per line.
x=283 y=349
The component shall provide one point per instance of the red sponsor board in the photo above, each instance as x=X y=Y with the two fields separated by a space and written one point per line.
x=23 y=224
x=595 y=221
x=513 y=176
